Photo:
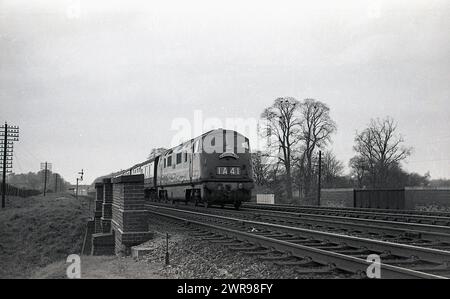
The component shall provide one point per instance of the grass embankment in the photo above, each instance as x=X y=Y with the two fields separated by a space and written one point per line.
x=37 y=231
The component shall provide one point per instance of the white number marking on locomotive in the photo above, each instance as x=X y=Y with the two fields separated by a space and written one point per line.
x=228 y=170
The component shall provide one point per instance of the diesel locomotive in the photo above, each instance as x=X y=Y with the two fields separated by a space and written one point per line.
x=211 y=169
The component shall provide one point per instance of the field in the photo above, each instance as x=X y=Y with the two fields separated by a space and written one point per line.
x=37 y=231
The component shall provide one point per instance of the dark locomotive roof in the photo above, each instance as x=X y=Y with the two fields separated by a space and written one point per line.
x=185 y=144
x=169 y=151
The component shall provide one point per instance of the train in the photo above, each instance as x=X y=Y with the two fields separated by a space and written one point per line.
x=214 y=168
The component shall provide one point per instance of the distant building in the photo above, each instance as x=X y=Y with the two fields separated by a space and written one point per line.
x=82 y=189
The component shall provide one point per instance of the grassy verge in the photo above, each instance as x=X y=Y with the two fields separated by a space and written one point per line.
x=37 y=231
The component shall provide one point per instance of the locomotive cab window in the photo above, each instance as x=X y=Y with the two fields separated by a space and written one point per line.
x=229 y=140
x=243 y=145
x=169 y=161
x=212 y=144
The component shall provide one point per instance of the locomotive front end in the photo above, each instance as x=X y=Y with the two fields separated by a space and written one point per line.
x=227 y=168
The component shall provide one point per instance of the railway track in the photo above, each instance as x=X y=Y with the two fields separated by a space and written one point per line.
x=436 y=235
x=311 y=250
x=425 y=235
x=441 y=219
x=406 y=212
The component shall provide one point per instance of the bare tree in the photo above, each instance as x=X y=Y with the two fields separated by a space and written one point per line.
x=379 y=148
x=261 y=168
x=299 y=169
x=332 y=168
x=275 y=180
x=360 y=170
x=316 y=129
x=283 y=123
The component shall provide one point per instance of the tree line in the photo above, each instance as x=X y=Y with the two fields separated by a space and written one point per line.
x=15 y=191
x=297 y=130
x=35 y=181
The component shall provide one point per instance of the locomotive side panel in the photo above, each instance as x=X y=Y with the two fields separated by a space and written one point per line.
x=179 y=166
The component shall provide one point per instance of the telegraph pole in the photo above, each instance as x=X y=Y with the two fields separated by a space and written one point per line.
x=319 y=179
x=5 y=144
x=76 y=192
x=6 y=163
x=45 y=166
x=45 y=178
x=56 y=182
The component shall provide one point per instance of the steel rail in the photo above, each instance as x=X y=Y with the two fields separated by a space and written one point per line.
x=367 y=214
x=337 y=260
x=407 y=212
x=427 y=231
x=373 y=226
x=425 y=254
x=433 y=233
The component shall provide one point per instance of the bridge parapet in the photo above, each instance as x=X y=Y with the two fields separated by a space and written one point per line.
x=124 y=218
x=129 y=216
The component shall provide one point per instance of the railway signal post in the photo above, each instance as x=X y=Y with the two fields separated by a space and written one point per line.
x=167 y=249
x=79 y=179
x=7 y=137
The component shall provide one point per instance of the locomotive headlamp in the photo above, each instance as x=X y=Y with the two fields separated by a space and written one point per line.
x=240 y=186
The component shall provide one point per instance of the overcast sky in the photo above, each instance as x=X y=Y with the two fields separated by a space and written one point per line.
x=97 y=84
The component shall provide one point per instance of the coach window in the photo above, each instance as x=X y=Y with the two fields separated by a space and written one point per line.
x=185 y=157
x=164 y=162
x=179 y=158
x=169 y=161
